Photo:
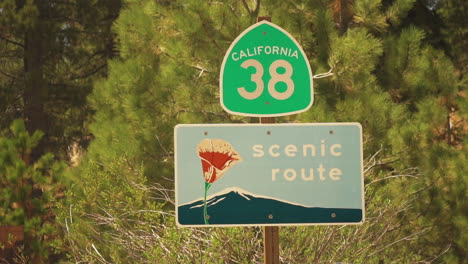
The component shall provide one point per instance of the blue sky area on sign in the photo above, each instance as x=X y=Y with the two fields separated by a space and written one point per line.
x=265 y=175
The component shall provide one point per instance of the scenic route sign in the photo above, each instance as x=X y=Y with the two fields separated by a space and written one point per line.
x=277 y=174
x=265 y=73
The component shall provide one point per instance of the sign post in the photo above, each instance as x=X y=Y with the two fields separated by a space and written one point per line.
x=271 y=244
x=270 y=233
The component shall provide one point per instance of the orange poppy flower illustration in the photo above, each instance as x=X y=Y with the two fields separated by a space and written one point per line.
x=217 y=157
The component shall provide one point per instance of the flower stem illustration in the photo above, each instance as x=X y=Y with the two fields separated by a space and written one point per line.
x=217 y=157
x=205 y=210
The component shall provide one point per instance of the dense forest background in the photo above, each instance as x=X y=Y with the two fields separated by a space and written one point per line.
x=90 y=92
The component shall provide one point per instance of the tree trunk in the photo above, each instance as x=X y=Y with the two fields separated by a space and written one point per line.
x=35 y=94
x=342 y=14
x=35 y=90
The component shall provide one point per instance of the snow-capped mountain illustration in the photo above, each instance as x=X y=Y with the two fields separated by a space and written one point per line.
x=237 y=206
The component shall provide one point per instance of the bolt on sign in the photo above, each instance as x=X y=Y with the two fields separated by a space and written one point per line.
x=265 y=73
x=278 y=174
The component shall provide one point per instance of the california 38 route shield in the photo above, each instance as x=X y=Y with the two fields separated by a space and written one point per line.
x=265 y=73
x=279 y=174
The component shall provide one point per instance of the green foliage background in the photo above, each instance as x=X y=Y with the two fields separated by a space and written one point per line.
x=22 y=205
x=399 y=68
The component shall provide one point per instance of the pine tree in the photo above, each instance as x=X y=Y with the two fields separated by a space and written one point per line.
x=387 y=75
x=50 y=51
x=30 y=207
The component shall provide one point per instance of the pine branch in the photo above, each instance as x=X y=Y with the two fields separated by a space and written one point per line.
x=12 y=42
x=8 y=75
x=257 y=8
x=246 y=6
x=88 y=74
x=409 y=237
x=324 y=245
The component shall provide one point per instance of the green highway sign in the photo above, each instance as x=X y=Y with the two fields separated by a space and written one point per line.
x=277 y=174
x=265 y=73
